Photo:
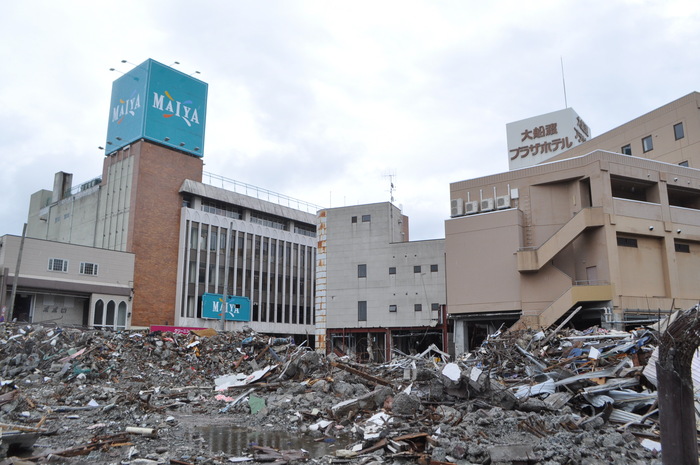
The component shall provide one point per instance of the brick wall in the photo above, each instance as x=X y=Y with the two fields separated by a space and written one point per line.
x=155 y=228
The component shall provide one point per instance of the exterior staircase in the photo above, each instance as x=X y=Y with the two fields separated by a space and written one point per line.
x=532 y=259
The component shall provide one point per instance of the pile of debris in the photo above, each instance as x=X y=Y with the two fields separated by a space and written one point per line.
x=85 y=396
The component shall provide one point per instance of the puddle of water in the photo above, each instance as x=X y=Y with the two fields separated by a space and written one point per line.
x=235 y=440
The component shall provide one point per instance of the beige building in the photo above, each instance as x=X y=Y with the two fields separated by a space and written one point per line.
x=66 y=284
x=670 y=134
x=617 y=235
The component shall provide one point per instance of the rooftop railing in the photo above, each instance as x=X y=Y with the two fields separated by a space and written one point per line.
x=217 y=180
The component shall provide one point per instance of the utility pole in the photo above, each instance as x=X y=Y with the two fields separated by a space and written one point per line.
x=226 y=260
x=10 y=311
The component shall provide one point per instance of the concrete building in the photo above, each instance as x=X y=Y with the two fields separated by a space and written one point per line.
x=271 y=255
x=615 y=234
x=66 y=284
x=192 y=242
x=670 y=134
x=376 y=291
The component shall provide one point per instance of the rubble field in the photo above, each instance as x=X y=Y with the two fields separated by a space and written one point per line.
x=524 y=397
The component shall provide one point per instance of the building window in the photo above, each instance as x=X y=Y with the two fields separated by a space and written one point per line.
x=626 y=150
x=434 y=307
x=647 y=144
x=217 y=208
x=678 y=131
x=418 y=307
x=58 y=264
x=88 y=268
x=416 y=269
x=393 y=308
x=271 y=221
x=362 y=271
x=362 y=310
x=392 y=270
x=214 y=241
x=626 y=242
x=683 y=163
x=353 y=219
x=683 y=248
x=433 y=268
x=305 y=230
x=366 y=218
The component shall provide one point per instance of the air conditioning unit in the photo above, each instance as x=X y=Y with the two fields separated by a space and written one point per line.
x=486 y=205
x=456 y=207
x=502 y=202
x=471 y=207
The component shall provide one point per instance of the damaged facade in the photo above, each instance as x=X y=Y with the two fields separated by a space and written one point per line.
x=377 y=292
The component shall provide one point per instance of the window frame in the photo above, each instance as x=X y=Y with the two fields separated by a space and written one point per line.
x=417 y=269
x=362 y=270
x=84 y=266
x=434 y=268
x=681 y=247
x=366 y=218
x=392 y=270
x=627 y=242
x=353 y=219
x=435 y=307
x=647 y=144
x=361 y=310
x=626 y=149
x=393 y=308
x=52 y=263
x=676 y=131
x=417 y=307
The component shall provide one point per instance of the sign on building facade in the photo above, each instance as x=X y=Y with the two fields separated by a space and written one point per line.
x=158 y=103
x=237 y=308
x=537 y=139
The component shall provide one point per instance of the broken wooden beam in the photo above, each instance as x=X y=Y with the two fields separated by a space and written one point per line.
x=361 y=374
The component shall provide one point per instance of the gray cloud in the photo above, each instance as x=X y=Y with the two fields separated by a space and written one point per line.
x=321 y=101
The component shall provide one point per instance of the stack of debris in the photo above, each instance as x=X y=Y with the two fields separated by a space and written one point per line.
x=143 y=397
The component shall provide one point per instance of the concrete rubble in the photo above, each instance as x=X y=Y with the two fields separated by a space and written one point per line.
x=552 y=397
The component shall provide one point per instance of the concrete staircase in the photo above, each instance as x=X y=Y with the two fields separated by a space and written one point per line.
x=573 y=297
x=534 y=259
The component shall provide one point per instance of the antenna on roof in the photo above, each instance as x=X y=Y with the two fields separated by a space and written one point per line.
x=392 y=187
x=563 y=81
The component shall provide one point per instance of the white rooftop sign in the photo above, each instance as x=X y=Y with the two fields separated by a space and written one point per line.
x=537 y=139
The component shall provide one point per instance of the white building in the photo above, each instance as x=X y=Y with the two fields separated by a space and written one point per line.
x=376 y=291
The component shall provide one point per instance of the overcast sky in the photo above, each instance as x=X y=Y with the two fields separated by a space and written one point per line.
x=322 y=100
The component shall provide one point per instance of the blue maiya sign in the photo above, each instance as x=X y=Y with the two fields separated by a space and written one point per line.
x=237 y=308
x=158 y=103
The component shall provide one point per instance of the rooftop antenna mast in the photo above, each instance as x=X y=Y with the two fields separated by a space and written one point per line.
x=563 y=81
x=392 y=187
